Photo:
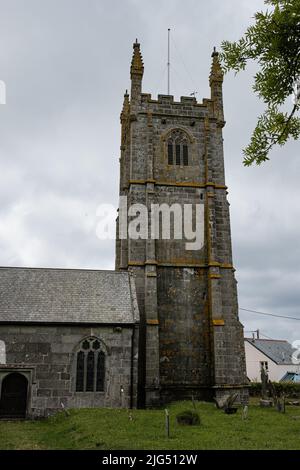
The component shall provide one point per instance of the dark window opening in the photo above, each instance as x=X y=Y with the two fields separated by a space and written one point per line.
x=178 y=159
x=80 y=372
x=178 y=149
x=90 y=367
x=264 y=365
x=185 y=155
x=90 y=372
x=170 y=154
x=100 y=372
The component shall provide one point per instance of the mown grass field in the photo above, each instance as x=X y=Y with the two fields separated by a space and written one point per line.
x=145 y=429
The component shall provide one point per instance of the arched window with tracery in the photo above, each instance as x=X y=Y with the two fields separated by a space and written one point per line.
x=178 y=148
x=90 y=366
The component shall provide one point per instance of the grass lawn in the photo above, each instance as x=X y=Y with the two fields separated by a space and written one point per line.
x=113 y=429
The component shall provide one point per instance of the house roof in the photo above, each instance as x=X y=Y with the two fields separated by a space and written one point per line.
x=291 y=377
x=42 y=295
x=278 y=351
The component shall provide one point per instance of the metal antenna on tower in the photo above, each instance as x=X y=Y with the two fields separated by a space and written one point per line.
x=168 y=61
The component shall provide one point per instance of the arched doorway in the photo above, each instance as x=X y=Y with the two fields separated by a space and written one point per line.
x=13 y=396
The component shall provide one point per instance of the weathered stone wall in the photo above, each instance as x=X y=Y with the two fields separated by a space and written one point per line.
x=50 y=352
x=174 y=251
x=185 y=360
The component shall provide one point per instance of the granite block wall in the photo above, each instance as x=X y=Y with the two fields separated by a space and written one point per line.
x=47 y=357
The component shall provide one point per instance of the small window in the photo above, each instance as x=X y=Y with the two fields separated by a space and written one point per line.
x=264 y=365
x=90 y=367
x=178 y=149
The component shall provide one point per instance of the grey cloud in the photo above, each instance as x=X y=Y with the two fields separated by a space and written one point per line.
x=66 y=66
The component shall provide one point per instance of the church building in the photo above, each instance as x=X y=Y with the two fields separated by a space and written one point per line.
x=164 y=325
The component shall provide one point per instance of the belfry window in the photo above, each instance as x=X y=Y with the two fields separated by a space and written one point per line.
x=90 y=366
x=178 y=149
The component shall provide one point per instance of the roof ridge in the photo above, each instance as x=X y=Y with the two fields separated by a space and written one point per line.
x=62 y=269
x=265 y=339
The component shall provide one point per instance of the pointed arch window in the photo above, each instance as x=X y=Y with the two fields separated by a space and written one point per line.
x=178 y=148
x=90 y=366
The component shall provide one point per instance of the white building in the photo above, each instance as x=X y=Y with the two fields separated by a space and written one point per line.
x=275 y=356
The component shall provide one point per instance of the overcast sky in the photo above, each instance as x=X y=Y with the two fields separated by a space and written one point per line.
x=66 y=67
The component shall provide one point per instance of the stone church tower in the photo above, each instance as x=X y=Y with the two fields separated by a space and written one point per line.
x=191 y=340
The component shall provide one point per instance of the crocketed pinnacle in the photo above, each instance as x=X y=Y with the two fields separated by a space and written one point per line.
x=137 y=66
x=216 y=74
x=126 y=105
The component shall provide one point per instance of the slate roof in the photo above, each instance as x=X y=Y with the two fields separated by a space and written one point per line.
x=291 y=377
x=278 y=351
x=42 y=295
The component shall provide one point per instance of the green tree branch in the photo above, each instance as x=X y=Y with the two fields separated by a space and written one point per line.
x=273 y=42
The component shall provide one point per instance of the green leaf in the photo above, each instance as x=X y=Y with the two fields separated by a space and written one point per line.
x=273 y=42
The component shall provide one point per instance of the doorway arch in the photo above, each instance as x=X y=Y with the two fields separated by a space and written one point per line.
x=13 y=400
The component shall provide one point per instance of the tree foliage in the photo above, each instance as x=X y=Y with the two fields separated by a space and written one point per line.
x=273 y=41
